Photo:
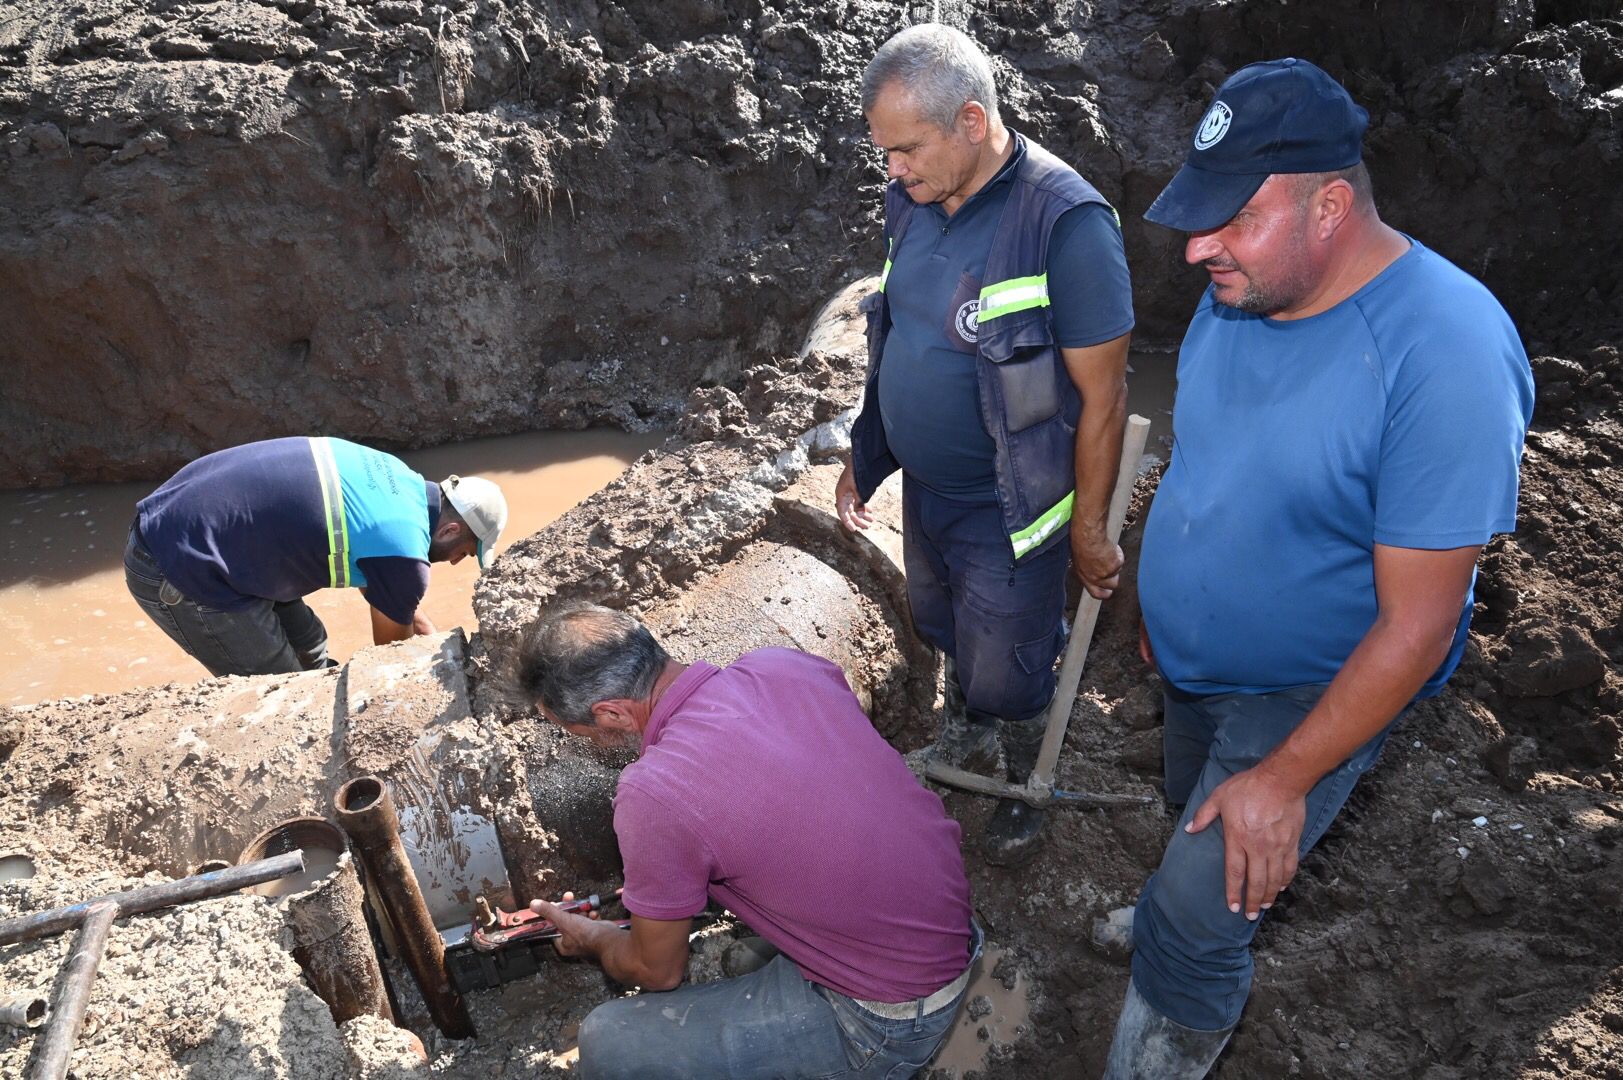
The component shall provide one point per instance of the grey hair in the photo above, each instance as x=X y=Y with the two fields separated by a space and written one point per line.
x=941 y=69
x=580 y=654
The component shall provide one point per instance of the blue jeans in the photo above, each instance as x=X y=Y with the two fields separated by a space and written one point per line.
x=1001 y=620
x=769 y=1024
x=266 y=638
x=1191 y=955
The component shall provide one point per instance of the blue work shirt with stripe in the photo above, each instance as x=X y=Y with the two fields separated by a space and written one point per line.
x=929 y=395
x=249 y=523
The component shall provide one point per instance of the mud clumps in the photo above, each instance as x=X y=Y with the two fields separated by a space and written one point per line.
x=408 y=222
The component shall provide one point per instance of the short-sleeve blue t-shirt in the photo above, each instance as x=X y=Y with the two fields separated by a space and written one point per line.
x=1394 y=418
x=929 y=394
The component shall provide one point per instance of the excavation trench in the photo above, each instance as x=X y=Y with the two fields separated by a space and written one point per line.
x=468 y=219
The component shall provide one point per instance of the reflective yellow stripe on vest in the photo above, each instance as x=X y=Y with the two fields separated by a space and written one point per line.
x=1032 y=536
x=884 y=276
x=1015 y=294
x=332 y=504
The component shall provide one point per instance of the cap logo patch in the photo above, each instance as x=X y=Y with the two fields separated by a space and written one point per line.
x=1214 y=126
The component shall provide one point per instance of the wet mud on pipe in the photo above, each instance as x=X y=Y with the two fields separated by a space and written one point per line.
x=331 y=941
x=366 y=812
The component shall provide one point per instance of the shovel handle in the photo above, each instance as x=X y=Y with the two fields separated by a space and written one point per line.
x=1133 y=437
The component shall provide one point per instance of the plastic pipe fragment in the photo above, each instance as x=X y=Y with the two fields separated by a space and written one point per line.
x=24 y=1010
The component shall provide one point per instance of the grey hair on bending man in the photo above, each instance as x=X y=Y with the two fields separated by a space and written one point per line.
x=942 y=68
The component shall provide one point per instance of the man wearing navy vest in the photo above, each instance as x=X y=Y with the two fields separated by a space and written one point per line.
x=996 y=383
x=1347 y=432
x=222 y=554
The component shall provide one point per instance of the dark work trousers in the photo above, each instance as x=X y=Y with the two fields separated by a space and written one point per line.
x=265 y=638
x=1191 y=955
x=1001 y=619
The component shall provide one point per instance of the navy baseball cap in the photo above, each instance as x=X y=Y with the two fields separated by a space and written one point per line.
x=1279 y=116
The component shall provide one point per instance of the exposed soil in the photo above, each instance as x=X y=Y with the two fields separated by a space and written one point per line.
x=150 y=143
x=410 y=222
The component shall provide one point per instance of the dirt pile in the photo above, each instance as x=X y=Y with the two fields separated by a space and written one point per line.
x=409 y=222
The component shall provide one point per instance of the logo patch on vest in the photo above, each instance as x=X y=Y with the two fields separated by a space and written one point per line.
x=1214 y=126
x=967 y=321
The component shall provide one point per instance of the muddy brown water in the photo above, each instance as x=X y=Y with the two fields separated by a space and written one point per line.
x=72 y=627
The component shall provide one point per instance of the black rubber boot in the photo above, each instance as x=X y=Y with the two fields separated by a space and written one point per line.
x=1015 y=832
x=968 y=738
x=1149 y=1046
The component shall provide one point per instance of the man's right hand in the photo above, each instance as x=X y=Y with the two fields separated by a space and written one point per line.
x=1144 y=650
x=854 y=513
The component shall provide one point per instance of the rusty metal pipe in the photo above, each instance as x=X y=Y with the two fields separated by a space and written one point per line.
x=150 y=897
x=24 y=1010
x=366 y=812
x=78 y=973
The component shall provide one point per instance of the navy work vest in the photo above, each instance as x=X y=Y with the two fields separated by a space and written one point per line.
x=1027 y=400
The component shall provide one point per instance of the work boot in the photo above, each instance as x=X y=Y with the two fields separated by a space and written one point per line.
x=968 y=738
x=1149 y=1046
x=1015 y=832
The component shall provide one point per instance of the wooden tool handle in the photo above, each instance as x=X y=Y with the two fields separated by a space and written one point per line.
x=1087 y=612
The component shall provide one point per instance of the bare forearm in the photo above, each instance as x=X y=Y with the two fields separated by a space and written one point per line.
x=620 y=956
x=1098 y=456
x=1382 y=675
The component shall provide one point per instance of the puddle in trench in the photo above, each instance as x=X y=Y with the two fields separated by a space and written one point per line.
x=75 y=629
x=1001 y=1012
x=15 y=867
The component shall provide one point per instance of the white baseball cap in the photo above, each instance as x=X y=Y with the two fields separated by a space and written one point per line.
x=482 y=505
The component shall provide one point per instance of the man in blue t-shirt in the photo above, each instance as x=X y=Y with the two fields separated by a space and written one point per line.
x=997 y=385
x=222 y=554
x=1347 y=435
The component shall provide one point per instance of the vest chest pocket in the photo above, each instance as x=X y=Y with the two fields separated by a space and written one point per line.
x=1020 y=347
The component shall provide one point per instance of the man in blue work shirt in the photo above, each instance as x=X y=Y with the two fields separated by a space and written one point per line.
x=996 y=383
x=1347 y=434
x=221 y=555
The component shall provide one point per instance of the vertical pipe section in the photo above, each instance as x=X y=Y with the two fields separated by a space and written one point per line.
x=68 y=1014
x=366 y=812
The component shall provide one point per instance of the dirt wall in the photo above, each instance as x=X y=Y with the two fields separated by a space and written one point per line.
x=407 y=222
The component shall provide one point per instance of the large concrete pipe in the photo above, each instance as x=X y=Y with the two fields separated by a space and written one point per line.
x=331 y=941
x=367 y=813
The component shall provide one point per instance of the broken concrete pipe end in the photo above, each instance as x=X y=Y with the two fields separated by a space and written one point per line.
x=331 y=941
x=367 y=813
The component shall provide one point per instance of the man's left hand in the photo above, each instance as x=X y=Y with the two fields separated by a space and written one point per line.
x=1262 y=826
x=420 y=625
x=1097 y=562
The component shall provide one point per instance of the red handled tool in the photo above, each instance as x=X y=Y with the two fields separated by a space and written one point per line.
x=497 y=928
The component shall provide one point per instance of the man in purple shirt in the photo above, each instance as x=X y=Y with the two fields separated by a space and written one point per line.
x=764 y=787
